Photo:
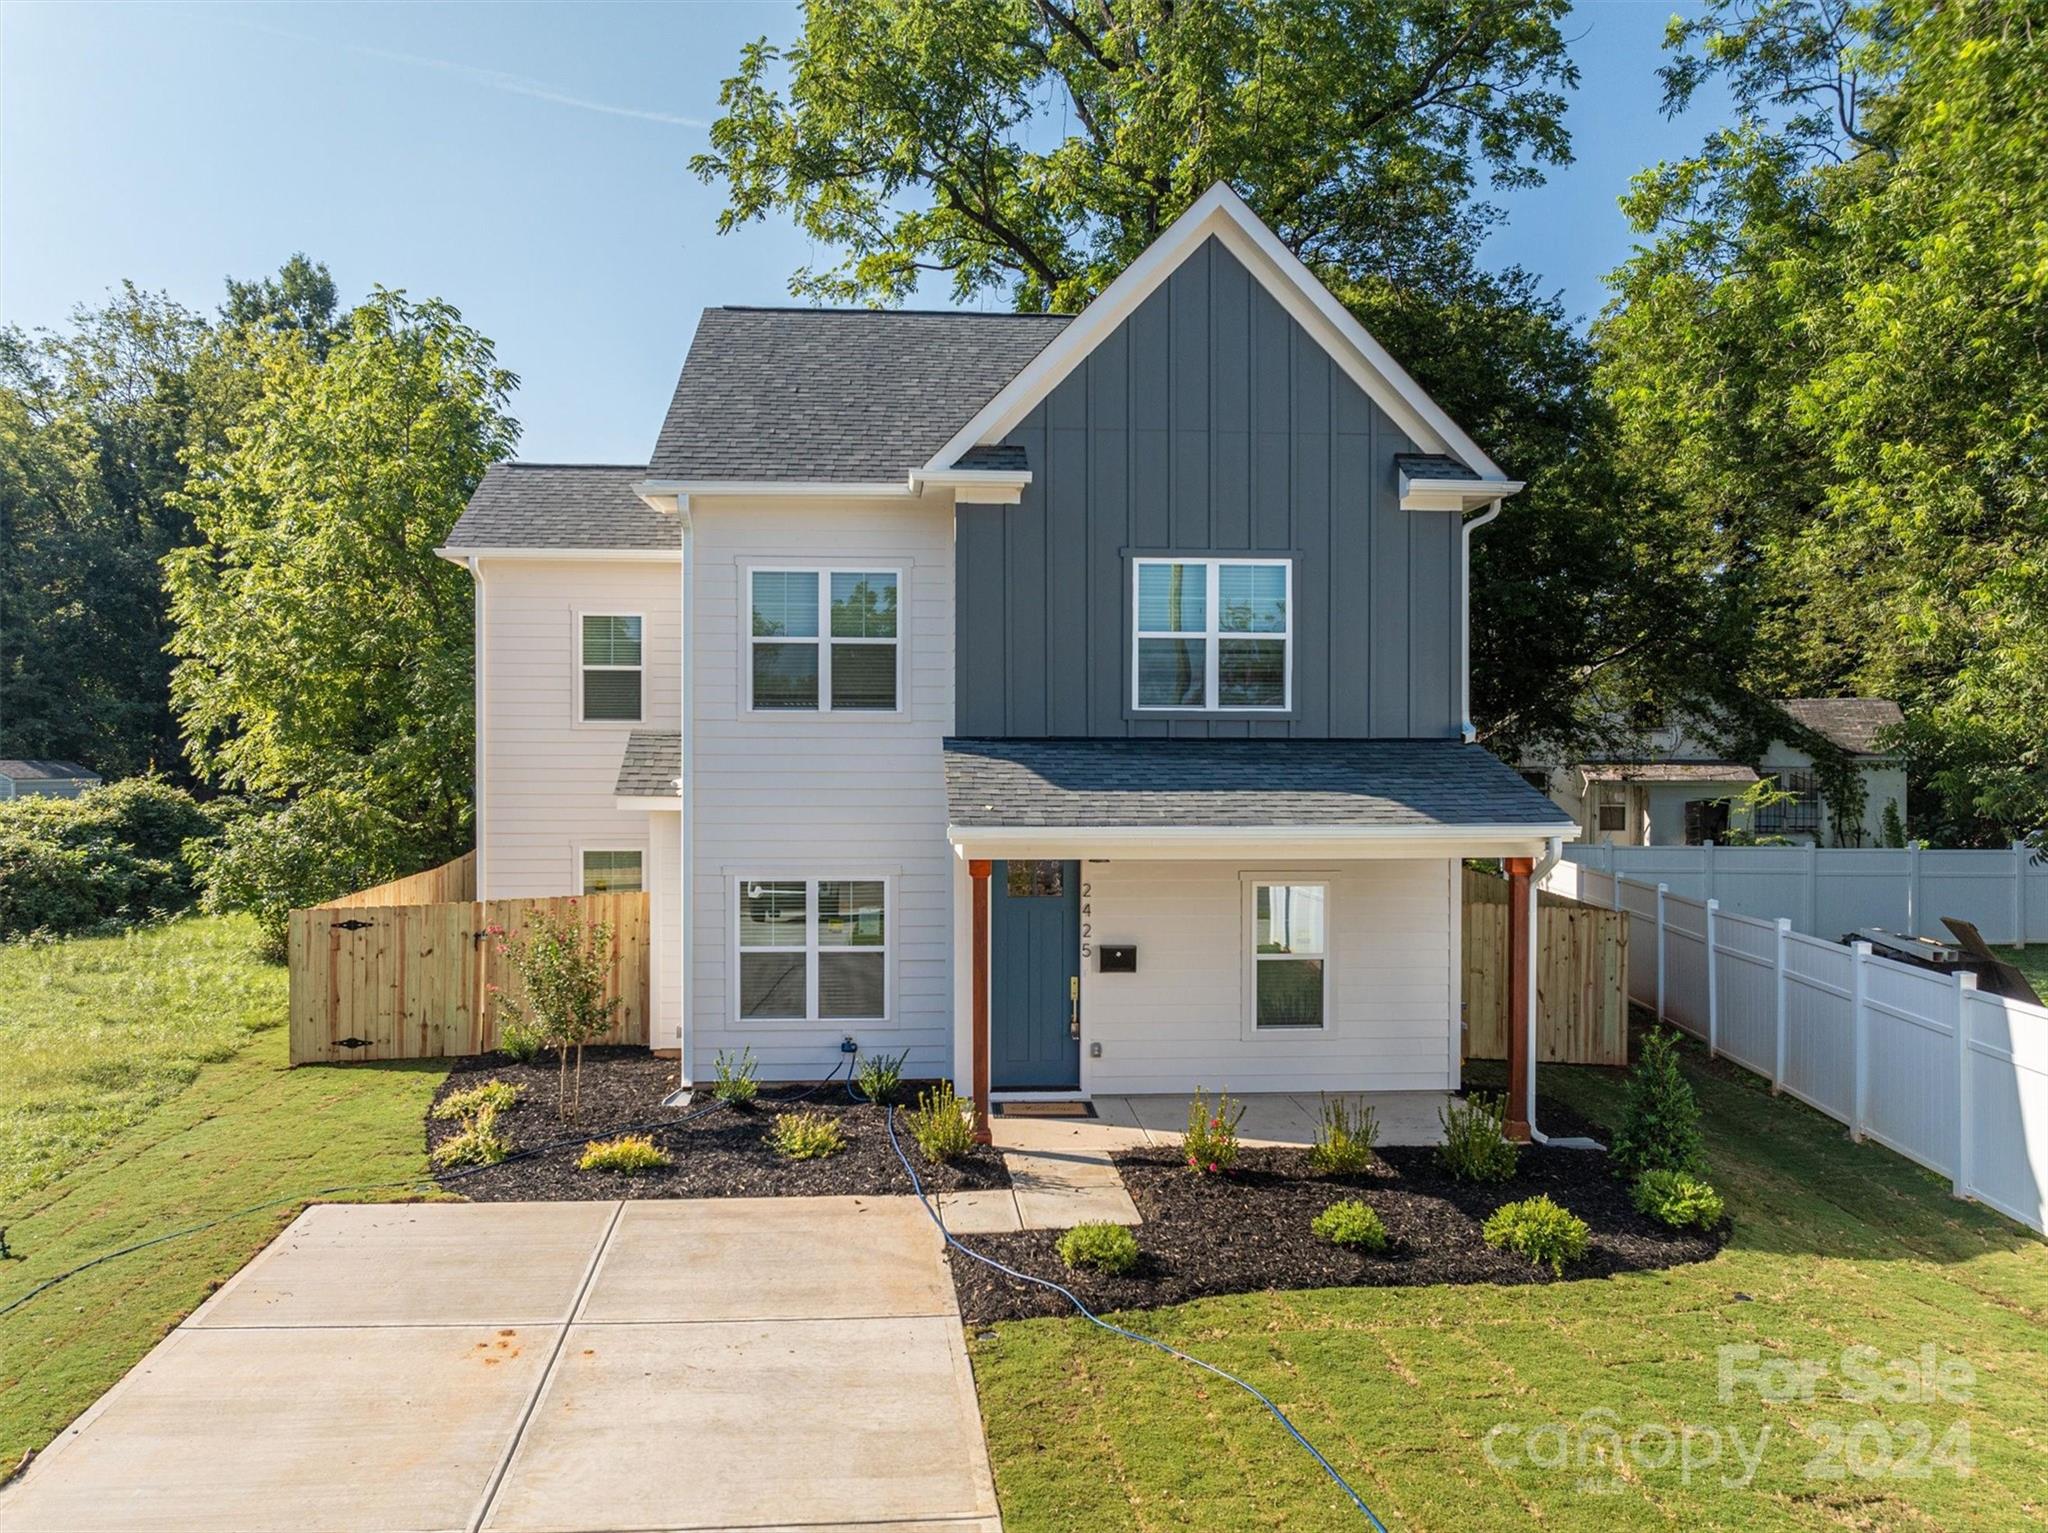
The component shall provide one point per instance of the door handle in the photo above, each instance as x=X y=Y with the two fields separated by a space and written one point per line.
x=1073 y=1006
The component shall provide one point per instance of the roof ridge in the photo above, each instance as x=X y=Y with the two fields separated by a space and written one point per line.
x=842 y=310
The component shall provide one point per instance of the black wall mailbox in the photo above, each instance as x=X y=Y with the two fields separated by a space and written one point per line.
x=1117 y=960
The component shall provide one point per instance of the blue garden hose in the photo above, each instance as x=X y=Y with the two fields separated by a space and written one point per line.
x=1088 y=1314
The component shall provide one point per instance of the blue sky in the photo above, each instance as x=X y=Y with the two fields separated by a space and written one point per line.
x=529 y=164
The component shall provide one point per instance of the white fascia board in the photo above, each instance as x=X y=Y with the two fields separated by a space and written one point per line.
x=636 y=803
x=1459 y=495
x=777 y=489
x=974 y=486
x=1278 y=842
x=1222 y=213
x=607 y=555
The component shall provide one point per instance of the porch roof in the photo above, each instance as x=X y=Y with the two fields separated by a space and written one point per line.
x=1323 y=790
x=1670 y=771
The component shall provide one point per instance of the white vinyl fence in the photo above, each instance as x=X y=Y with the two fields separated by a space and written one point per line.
x=1921 y=1062
x=1826 y=891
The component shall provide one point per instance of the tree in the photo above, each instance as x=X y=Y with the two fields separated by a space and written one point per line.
x=918 y=137
x=562 y=968
x=1828 y=357
x=322 y=645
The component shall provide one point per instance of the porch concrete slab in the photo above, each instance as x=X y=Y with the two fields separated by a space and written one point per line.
x=307 y=1429
x=417 y=1264
x=771 y=1259
x=1056 y=1191
x=1090 y=1136
x=990 y=1211
x=752 y=1424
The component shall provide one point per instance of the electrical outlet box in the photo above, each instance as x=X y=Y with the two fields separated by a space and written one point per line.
x=1094 y=1051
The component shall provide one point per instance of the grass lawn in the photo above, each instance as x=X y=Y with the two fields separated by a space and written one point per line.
x=1835 y=1246
x=143 y=1088
x=2030 y=961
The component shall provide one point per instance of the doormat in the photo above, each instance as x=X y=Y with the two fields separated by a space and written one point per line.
x=1045 y=1109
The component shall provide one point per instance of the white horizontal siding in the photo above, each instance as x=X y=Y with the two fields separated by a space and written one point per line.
x=1179 y=1021
x=824 y=794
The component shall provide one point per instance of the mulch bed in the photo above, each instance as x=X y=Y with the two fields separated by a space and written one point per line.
x=1249 y=1231
x=719 y=1154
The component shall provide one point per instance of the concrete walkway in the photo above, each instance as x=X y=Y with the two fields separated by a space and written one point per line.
x=1061 y=1173
x=715 y=1364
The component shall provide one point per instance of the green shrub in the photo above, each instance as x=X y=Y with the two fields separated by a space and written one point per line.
x=1677 y=1199
x=520 y=1042
x=1210 y=1144
x=880 y=1077
x=806 y=1135
x=1352 y=1223
x=628 y=1152
x=1660 y=1120
x=1345 y=1135
x=1476 y=1147
x=112 y=857
x=942 y=1124
x=330 y=843
x=734 y=1083
x=1105 y=1248
x=1538 y=1229
x=491 y=1096
x=479 y=1144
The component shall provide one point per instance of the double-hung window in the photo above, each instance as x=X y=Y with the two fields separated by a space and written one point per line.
x=610 y=668
x=813 y=949
x=1290 y=955
x=611 y=872
x=823 y=641
x=1214 y=634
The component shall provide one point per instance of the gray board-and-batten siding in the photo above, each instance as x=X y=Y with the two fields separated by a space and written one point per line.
x=1209 y=422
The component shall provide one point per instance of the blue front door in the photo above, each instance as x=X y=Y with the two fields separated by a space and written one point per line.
x=1034 y=976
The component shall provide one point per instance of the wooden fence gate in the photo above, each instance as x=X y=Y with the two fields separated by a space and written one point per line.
x=382 y=980
x=1581 y=977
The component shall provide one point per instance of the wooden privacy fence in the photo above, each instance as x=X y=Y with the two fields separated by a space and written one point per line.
x=450 y=881
x=416 y=981
x=1581 y=977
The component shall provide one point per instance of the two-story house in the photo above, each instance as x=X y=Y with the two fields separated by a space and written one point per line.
x=1075 y=702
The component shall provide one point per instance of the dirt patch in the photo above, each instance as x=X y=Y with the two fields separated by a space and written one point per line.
x=1249 y=1231
x=719 y=1154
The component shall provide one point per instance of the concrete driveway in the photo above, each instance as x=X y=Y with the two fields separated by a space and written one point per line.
x=567 y=1367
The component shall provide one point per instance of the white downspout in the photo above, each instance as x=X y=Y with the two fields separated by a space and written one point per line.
x=479 y=706
x=1465 y=631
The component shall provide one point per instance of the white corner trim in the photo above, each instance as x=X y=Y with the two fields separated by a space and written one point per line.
x=1222 y=213
x=1459 y=495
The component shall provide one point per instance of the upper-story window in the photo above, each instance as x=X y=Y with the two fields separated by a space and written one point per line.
x=1214 y=634
x=610 y=668
x=823 y=640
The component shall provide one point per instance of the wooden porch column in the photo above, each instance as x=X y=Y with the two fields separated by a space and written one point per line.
x=1519 y=958
x=978 y=870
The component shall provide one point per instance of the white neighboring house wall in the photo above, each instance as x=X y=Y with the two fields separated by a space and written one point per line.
x=1184 y=1017
x=44 y=787
x=545 y=778
x=1655 y=811
x=817 y=794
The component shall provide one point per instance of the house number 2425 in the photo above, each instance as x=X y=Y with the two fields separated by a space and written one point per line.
x=1087 y=926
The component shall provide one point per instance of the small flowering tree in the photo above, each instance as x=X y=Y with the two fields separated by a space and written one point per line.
x=562 y=976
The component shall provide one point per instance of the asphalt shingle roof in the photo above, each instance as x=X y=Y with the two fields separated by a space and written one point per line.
x=1431 y=465
x=1237 y=783
x=563 y=505
x=859 y=396
x=42 y=768
x=1854 y=723
x=654 y=761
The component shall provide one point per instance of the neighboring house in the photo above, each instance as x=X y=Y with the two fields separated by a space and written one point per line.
x=45 y=779
x=1078 y=700
x=1677 y=789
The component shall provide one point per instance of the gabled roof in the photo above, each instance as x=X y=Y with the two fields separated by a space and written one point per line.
x=1221 y=214
x=857 y=396
x=562 y=505
x=1854 y=723
x=43 y=769
x=1401 y=785
x=652 y=766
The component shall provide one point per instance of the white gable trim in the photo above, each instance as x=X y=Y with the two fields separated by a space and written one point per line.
x=1222 y=213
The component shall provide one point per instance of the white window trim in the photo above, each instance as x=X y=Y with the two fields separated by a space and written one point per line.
x=1212 y=634
x=584 y=848
x=811 y=949
x=823 y=638
x=576 y=717
x=1250 y=884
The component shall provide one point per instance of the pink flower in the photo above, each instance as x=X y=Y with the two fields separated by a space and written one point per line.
x=1192 y=1161
x=1212 y=1167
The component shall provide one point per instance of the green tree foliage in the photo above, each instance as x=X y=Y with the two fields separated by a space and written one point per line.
x=1660 y=1119
x=1828 y=358
x=1032 y=149
x=323 y=647
x=108 y=858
